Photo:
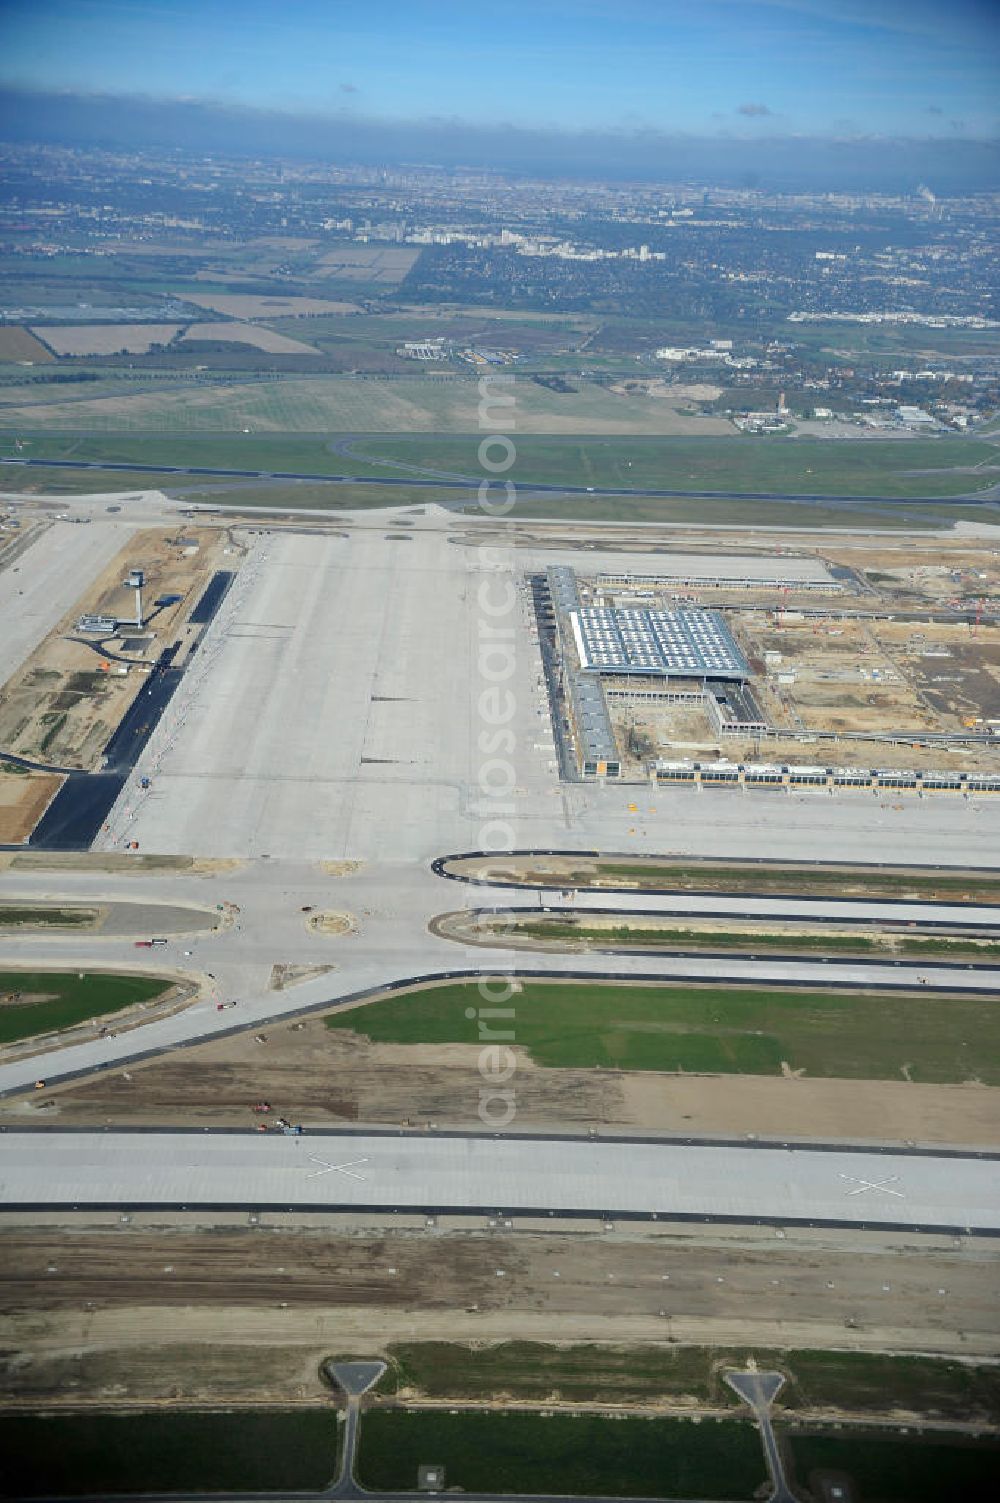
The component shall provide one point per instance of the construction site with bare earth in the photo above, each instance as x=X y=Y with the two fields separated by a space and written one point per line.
x=306 y=1094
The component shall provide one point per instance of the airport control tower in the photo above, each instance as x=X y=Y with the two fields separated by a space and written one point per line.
x=136 y=580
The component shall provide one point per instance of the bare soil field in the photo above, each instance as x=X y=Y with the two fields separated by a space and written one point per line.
x=873 y=677
x=694 y=875
x=667 y=391
x=246 y=306
x=924 y=573
x=324 y=1077
x=18 y=344
x=141 y=1311
x=24 y=797
x=252 y=334
x=106 y=339
x=110 y=861
x=386 y=265
x=61 y=706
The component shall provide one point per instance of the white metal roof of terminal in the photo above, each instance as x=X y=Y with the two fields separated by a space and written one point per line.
x=721 y=566
x=686 y=643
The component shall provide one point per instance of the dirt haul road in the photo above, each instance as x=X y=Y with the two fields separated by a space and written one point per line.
x=135 y=1311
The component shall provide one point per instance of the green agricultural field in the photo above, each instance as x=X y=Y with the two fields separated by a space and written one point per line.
x=316 y=495
x=401 y=404
x=904 y=468
x=909 y=516
x=310 y=454
x=66 y=998
x=866 y=1382
x=36 y=391
x=32 y=482
x=535 y=336
x=583 y=1454
x=711 y=1030
x=104 y=1454
x=851 y=340
x=902 y=1469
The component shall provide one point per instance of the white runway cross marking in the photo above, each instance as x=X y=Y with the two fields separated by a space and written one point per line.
x=340 y=1168
x=874 y=1184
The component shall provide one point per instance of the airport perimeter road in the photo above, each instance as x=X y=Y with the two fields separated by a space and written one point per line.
x=455 y=1174
x=392 y=905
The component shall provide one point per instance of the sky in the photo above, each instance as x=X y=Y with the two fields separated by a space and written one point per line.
x=754 y=70
x=923 y=67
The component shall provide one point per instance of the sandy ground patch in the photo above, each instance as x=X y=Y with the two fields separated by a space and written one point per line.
x=667 y=391
x=244 y=305
x=332 y=923
x=106 y=339
x=284 y=976
x=61 y=706
x=252 y=334
x=695 y=391
x=24 y=797
x=20 y=344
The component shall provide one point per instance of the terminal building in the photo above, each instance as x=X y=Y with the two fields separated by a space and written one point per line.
x=727 y=573
x=610 y=653
x=596 y=655
x=689 y=644
x=595 y=743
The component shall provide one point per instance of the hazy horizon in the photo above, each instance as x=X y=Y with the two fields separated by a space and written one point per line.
x=779 y=163
x=821 y=94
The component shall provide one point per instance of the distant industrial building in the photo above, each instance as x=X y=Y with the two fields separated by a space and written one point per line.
x=424 y=349
x=915 y=417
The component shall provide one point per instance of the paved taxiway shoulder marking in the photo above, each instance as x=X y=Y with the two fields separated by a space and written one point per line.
x=874 y=1184
x=347 y=1168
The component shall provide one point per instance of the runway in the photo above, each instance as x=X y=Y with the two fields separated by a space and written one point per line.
x=459 y=1174
x=458 y=483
